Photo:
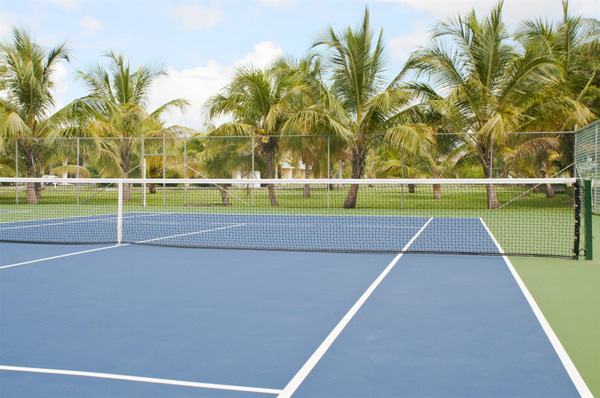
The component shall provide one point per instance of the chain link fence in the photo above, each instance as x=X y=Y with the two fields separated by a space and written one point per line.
x=520 y=155
x=586 y=159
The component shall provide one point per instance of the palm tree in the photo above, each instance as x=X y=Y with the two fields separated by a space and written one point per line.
x=369 y=107
x=311 y=128
x=117 y=108
x=259 y=102
x=27 y=78
x=489 y=84
x=574 y=45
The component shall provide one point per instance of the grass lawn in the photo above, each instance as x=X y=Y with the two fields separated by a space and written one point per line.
x=568 y=294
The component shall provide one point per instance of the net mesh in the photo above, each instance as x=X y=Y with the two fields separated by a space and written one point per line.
x=452 y=216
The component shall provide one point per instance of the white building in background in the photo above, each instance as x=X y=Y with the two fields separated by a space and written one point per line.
x=285 y=169
x=238 y=175
x=288 y=171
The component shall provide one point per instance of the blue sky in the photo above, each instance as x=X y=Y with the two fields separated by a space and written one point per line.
x=201 y=42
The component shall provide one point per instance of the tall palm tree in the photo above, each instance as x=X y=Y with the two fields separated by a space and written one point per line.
x=27 y=78
x=489 y=84
x=117 y=107
x=370 y=106
x=574 y=45
x=259 y=102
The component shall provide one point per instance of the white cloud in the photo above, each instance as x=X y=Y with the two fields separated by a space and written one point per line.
x=91 y=24
x=402 y=46
x=277 y=3
x=263 y=54
x=9 y=19
x=198 y=84
x=61 y=86
x=69 y=5
x=194 y=17
x=514 y=11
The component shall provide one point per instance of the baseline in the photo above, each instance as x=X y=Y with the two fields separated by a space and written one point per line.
x=62 y=255
x=141 y=379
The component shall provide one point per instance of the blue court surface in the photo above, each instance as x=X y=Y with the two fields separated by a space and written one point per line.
x=134 y=320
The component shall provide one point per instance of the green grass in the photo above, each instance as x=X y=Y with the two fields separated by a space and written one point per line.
x=568 y=294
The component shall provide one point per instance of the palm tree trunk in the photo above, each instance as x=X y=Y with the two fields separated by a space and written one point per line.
x=437 y=191
x=306 y=189
x=31 y=195
x=270 y=158
x=358 y=164
x=224 y=196
x=492 y=197
x=125 y=165
x=548 y=187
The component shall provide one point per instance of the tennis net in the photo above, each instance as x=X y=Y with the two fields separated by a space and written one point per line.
x=515 y=216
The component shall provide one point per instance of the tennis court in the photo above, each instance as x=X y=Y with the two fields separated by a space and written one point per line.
x=139 y=320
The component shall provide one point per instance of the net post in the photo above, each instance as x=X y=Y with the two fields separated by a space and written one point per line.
x=587 y=208
x=77 y=169
x=120 y=212
x=328 y=167
x=143 y=173
x=185 y=170
x=17 y=170
x=164 y=169
x=253 y=172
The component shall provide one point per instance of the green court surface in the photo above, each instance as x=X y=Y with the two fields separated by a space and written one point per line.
x=568 y=294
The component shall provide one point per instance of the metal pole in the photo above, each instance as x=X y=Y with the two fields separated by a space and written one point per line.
x=328 y=166
x=144 y=184
x=77 y=169
x=17 y=170
x=402 y=186
x=253 y=172
x=143 y=173
x=120 y=212
x=164 y=167
x=595 y=178
x=185 y=170
x=587 y=208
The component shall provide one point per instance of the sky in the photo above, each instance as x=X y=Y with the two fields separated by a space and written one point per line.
x=201 y=43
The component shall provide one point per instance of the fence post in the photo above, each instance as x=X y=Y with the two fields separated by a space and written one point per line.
x=587 y=208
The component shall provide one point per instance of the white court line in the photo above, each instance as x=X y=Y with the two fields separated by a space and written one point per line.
x=115 y=246
x=62 y=255
x=190 y=233
x=578 y=381
x=296 y=225
x=89 y=219
x=141 y=379
x=333 y=335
